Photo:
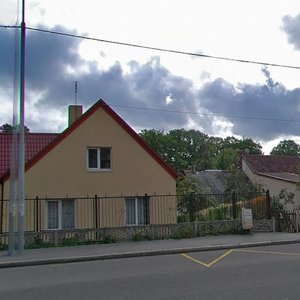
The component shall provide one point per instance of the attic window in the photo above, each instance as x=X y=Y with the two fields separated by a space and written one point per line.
x=99 y=159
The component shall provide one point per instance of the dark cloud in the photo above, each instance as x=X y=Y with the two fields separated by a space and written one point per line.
x=291 y=26
x=7 y=55
x=260 y=107
x=147 y=85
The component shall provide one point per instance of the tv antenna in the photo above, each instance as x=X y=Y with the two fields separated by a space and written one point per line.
x=76 y=91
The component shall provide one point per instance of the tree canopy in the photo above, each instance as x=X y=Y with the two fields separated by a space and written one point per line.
x=192 y=149
x=8 y=128
x=286 y=147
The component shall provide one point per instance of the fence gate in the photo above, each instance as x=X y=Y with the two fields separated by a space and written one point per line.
x=289 y=221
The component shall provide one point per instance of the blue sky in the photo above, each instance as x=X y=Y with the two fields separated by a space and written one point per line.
x=218 y=97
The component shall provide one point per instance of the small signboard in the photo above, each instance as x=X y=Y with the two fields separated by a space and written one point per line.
x=247 y=219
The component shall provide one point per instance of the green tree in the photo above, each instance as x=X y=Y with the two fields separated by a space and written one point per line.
x=286 y=147
x=190 y=149
x=227 y=159
x=8 y=128
x=239 y=183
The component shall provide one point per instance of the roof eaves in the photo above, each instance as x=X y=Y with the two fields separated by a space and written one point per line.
x=270 y=175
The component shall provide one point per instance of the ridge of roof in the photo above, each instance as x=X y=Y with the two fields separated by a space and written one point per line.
x=99 y=104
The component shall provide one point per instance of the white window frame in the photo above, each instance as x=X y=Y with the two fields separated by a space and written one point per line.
x=59 y=215
x=98 y=168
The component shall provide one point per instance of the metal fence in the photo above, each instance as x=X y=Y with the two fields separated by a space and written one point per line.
x=104 y=212
x=209 y=207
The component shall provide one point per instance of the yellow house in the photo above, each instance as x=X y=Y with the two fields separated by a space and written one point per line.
x=98 y=154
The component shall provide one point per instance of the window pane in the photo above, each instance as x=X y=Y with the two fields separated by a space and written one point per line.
x=143 y=210
x=93 y=158
x=53 y=214
x=130 y=211
x=67 y=214
x=105 y=158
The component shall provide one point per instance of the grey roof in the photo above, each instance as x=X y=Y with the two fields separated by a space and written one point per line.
x=210 y=181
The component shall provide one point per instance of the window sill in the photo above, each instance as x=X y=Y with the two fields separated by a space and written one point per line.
x=99 y=170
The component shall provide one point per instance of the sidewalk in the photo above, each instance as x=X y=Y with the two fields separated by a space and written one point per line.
x=32 y=257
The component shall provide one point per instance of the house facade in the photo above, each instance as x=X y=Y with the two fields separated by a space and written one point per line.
x=274 y=173
x=98 y=154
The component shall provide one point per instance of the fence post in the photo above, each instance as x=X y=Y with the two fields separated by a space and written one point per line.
x=36 y=213
x=96 y=212
x=233 y=205
x=268 y=199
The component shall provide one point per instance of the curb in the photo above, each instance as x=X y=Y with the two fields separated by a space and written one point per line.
x=73 y=259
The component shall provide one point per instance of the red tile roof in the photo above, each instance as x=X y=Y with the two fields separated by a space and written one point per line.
x=281 y=167
x=273 y=164
x=34 y=143
x=39 y=147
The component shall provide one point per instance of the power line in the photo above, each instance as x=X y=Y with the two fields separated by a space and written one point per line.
x=204 y=114
x=158 y=48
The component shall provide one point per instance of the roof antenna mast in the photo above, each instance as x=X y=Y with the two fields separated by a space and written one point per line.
x=76 y=91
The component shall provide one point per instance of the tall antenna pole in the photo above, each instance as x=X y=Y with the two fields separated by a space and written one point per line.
x=21 y=169
x=76 y=91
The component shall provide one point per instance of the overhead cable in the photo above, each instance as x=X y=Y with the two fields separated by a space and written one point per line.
x=158 y=48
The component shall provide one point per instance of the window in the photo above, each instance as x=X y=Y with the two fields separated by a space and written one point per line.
x=137 y=211
x=99 y=158
x=60 y=214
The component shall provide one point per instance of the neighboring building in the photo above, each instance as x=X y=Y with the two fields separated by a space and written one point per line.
x=273 y=172
x=98 y=154
x=209 y=181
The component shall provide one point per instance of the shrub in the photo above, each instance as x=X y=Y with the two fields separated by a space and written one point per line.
x=38 y=243
x=71 y=241
x=3 y=246
x=183 y=232
x=108 y=239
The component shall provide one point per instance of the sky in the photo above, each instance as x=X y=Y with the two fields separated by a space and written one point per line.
x=155 y=89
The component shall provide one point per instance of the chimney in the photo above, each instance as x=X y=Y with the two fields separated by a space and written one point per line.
x=75 y=111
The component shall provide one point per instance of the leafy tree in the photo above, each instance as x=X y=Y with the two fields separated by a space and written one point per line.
x=250 y=145
x=280 y=201
x=228 y=150
x=192 y=149
x=227 y=159
x=8 y=128
x=186 y=185
x=286 y=147
x=239 y=183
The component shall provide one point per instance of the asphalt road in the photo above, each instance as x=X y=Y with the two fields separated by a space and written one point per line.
x=254 y=273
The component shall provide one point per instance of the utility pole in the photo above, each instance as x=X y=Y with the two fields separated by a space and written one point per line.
x=21 y=168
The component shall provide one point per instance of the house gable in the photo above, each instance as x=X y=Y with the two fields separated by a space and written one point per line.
x=98 y=105
x=62 y=165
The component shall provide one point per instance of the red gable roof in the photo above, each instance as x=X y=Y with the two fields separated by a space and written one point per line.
x=272 y=164
x=41 y=149
x=34 y=143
